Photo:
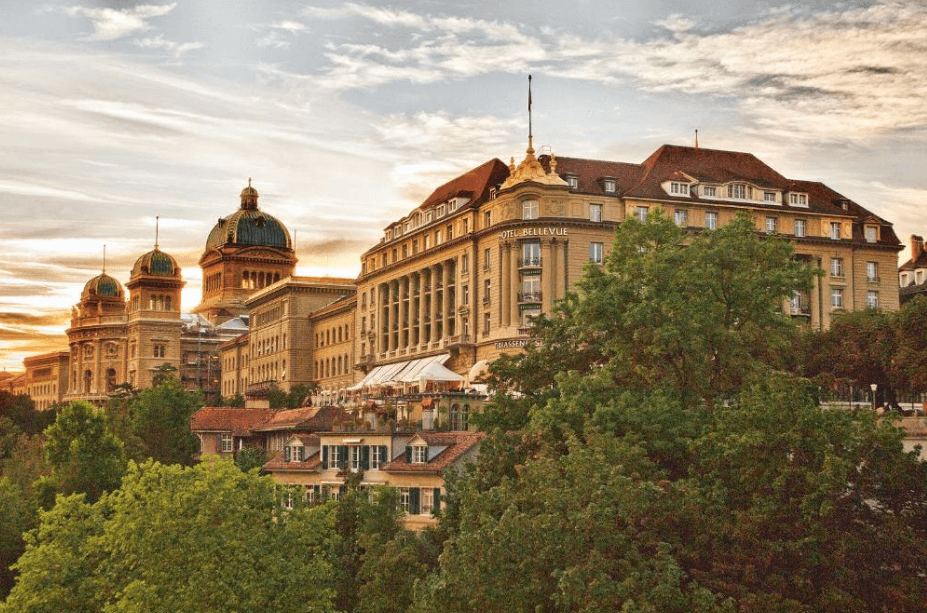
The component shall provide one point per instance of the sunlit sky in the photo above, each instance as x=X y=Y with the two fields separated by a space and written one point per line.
x=347 y=115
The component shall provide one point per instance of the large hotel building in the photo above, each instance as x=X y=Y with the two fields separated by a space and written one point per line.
x=463 y=273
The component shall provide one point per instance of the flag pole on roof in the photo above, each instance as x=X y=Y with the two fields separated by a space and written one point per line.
x=530 y=134
x=696 y=138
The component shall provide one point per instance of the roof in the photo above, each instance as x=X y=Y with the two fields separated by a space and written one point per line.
x=240 y=421
x=590 y=174
x=314 y=419
x=313 y=462
x=919 y=261
x=156 y=262
x=103 y=286
x=457 y=444
x=474 y=184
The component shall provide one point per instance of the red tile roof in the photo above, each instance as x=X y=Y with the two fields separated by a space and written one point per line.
x=591 y=174
x=311 y=419
x=312 y=463
x=474 y=184
x=237 y=420
x=457 y=443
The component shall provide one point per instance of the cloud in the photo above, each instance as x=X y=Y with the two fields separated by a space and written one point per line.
x=173 y=47
x=842 y=75
x=112 y=24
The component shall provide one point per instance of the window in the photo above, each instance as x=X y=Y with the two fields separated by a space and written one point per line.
x=440 y=211
x=836 y=297
x=465 y=263
x=609 y=186
x=419 y=454
x=450 y=231
x=159 y=351
x=437 y=237
x=377 y=456
x=531 y=254
x=404 y=499
x=595 y=252
x=405 y=250
x=772 y=224
x=293 y=453
x=681 y=189
x=336 y=459
x=529 y=209
x=871 y=234
x=531 y=288
x=769 y=197
x=357 y=457
x=487 y=286
x=872 y=300
x=641 y=213
x=225 y=442
x=835 y=230
x=711 y=219
x=486 y=323
x=798 y=199
x=800 y=228
x=836 y=267
x=465 y=294
x=681 y=216
x=486 y=254
x=737 y=190
x=573 y=182
x=595 y=212
x=487 y=219
x=709 y=191
x=427 y=501
x=872 y=272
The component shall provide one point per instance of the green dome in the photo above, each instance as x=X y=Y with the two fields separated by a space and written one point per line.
x=103 y=286
x=156 y=262
x=249 y=226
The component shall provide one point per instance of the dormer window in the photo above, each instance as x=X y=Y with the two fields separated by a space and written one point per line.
x=609 y=186
x=492 y=193
x=769 y=197
x=679 y=189
x=709 y=191
x=872 y=234
x=737 y=191
x=572 y=181
x=389 y=235
x=428 y=216
x=417 y=454
x=294 y=452
x=440 y=212
x=798 y=199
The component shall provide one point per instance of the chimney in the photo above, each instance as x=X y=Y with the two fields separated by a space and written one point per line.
x=917 y=247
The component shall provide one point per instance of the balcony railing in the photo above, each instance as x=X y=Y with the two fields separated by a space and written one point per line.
x=529 y=262
x=529 y=296
x=875 y=279
x=801 y=310
x=486 y=299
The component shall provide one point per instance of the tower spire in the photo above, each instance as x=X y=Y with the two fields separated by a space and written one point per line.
x=104 y=258
x=157 y=225
x=696 y=138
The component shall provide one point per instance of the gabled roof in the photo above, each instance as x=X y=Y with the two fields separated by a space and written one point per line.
x=240 y=421
x=456 y=443
x=474 y=184
x=305 y=419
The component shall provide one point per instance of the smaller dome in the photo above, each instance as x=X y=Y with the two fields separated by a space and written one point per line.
x=102 y=286
x=156 y=262
x=249 y=197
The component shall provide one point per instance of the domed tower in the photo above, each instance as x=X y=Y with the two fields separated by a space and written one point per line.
x=154 y=324
x=97 y=340
x=246 y=251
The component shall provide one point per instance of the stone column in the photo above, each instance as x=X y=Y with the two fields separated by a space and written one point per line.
x=547 y=275
x=421 y=307
x=433 y=306
x=563 y=273
x=514 y=279
x=405 y=306
x=504 y=290
x=389 y=317
x=445 y=298
x=383 y=315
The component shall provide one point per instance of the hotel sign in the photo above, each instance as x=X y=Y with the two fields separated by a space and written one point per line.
x=514 y=344
x=532 y=232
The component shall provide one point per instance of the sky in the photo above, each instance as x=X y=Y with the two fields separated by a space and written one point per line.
x=347 y=114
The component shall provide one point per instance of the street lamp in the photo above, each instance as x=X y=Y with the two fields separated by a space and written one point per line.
x=873 y=387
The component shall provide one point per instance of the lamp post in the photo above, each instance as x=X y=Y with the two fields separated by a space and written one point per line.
x=873 y=387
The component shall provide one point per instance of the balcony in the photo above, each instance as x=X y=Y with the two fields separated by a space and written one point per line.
x=529 y=297
x=526 y=331
x=486 y=299
x=529 y=262
x=874 y=280
x=800 y=310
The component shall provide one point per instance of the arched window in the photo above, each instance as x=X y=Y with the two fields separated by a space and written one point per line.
x=455 y=417
x=110 y=379
x=167 y=303
x=88 y=378
x=465 y=417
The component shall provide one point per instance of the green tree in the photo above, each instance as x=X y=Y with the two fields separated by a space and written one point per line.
x=82 y=453
x=910 y=354
x=207 y=538
x=160 y=419
x=250 y=458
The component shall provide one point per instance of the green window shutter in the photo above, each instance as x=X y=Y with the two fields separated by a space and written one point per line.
x=426 y=454
x=286 y=453
x=414 y=506
x=324 y=456
x=365 y=457
x=342 y=456
x=408 y=454
x=383 y=457
x=437 y=500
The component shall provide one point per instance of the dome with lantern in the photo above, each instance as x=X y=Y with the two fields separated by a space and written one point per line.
x=156 y=263
x=249 y=226
x=103 y=287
